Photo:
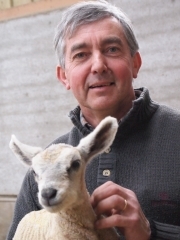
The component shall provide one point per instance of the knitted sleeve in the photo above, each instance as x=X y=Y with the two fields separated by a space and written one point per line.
x=27 y=201
x=30 y=228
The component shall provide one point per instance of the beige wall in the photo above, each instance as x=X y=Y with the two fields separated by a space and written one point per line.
x=34 y=106
x=13 y=9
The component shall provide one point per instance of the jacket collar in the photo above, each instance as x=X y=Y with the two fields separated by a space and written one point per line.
x=142 y=110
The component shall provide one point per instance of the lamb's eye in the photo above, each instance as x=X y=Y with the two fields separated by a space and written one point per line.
x=75 y=165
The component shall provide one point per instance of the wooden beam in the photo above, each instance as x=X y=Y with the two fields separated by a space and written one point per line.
x=5 y=4
x=34 y=8
x=8 y=198
x=20 y=2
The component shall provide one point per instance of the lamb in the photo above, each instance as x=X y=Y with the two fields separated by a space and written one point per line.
x=59 y=171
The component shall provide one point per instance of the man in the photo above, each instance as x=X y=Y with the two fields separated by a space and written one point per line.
x=135 y=183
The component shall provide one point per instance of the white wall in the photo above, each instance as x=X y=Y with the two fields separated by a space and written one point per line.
x=34 y=105
x=157 y=26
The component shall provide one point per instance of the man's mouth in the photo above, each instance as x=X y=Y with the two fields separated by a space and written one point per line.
x=101 y=85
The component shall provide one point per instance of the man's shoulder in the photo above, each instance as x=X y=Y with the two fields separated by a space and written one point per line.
x=167 y=111
x=166 y=117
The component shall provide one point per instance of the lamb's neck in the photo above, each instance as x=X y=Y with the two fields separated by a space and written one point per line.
x=81 y=214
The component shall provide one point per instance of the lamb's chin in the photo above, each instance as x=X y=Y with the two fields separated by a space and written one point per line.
x=52 y=209
x=56 y=207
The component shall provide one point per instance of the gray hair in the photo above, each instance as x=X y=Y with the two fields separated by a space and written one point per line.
x=87 y=12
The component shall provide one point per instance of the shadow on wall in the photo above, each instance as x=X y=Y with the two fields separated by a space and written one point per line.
x=7 y=203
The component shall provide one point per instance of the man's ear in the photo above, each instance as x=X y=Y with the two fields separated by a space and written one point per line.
x=61 y=75
x=136 y=64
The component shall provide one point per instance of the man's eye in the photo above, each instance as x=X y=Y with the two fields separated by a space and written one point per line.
x=113 y=49
x=80 y=55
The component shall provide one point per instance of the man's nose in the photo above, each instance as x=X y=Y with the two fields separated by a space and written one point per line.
x=99 y=64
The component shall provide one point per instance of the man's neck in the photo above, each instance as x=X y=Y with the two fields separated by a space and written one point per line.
x=94 y=117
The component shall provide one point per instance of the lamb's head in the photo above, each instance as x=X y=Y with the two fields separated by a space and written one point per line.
x=59 y=169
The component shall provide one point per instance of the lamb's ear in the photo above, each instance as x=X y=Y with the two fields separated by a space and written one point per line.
x=100 y=139
x=22 y=151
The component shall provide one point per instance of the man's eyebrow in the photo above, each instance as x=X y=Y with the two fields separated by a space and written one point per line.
x=78 y=46
x=105 y=41
x=110 y=40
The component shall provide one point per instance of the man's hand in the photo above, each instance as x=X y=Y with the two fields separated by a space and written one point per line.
x=122 y=210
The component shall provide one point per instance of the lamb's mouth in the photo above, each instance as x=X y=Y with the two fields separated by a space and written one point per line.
x=51 y=204
x=103 y=85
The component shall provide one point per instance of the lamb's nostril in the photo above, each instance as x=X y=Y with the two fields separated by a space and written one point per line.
x=49 y=193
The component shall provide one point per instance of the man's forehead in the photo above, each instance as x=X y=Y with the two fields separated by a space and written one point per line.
x=82 y=27
x=81 y=38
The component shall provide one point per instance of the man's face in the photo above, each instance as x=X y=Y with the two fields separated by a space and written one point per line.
x=99 y=67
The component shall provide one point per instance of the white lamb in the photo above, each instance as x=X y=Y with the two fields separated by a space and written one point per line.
x=59 y=171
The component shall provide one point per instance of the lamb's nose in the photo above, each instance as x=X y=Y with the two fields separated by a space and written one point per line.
x=48 y=193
